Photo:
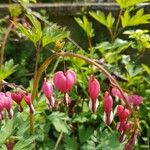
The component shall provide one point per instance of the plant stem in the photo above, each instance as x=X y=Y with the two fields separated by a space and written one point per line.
x=90 y=61
x=58 y=141
x=4 y=44
x=117 y=24
x=31 y=115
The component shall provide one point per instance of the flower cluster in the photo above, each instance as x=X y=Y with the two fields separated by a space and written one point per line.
x=6 y=102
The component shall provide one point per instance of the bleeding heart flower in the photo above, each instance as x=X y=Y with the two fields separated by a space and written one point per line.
x=123 y=113
x=136 y=100
x=1 y=106
x=93 y=91
x=17 y=97
x=8 y=104
x=28 y=100
x=47 y=89
x=108 y=103
x=64 y=83
x=116 y=93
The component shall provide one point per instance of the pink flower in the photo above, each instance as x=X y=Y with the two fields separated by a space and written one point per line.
x=108 y=103
x=28 y=100
x=7 y=103
x=123 y=126
x=116 y=93
x=93 y=91
x=136 y=100
x=47 y=89
x=1 y=106
x=17 y=97
x=64 y=82
x=123 y=113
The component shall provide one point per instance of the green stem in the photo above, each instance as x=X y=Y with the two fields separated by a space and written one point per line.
x=58 y=141
x=4 y=44
x=117 y=25
x=90 y=61
x=31 y=115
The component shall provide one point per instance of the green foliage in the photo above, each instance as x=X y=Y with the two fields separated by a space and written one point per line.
x=141 y=39
x=137 y=19
x=85 y=133
x=70 y=143
x=129 y=3
x=15 y=10
x=35 y=33
x=111 y=51
x=53 y=33
x=86 y=26
x=59 y=119
x=24 y=144
x=7 y=69
x=107 y=21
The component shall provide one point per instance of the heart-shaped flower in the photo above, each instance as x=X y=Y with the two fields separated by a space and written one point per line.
x=17 y=97
x=64 y=81
x=123 y=113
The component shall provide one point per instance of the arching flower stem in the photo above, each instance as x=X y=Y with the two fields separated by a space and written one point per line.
x=114 y=83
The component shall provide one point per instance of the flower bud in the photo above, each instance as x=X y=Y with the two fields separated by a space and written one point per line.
x=108 y=103
x=93 y=91
x=8 y=104
x=47 y=89
x=28 y=101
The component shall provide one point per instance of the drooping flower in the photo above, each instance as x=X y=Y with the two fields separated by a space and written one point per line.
x=93 y=91
x=136 y=100
x=108 y=103
x=1 y=106
x=123 y=113
x=28 y=101
x=116 y=93
x=123 y=125
x=64 y=82
x=7 y=103
x=47 y=89
x=17 y=97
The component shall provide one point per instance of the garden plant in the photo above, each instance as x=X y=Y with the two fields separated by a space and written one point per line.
x=96 y=98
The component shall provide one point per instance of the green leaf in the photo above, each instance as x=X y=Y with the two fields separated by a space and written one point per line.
x=53 y=33
x=24 y=144
x=59 y=121
x=137 y=19
x=6 y=131
x=85 y=133
x=7 y=69
x=86 y=26
x=110 y=20
x=15 y=10
x=101 y=18
x=146 y=68
x=34 y=33
x=129 y=3
x=108 y=141
x=70 y=143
